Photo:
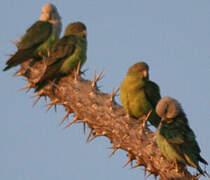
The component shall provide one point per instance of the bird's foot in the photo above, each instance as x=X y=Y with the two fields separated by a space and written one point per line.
x=77 y=72
x=144 y=118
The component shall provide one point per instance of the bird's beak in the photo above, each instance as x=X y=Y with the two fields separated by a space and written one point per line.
x=84 y=33
x=145 y=74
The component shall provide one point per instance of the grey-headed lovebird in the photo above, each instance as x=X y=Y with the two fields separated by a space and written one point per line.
x=175 y=138
x=39 y=38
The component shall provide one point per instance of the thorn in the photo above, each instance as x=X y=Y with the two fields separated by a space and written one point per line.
x=65 y=117
x=83 y=72
x=10 y=55
x=15 y=43
x=54 y=85
x=96 y=79
x=93 y=137
x=70 y=123
x=40 y=93
x=20 y=37
x=132 y=167
x=50 y=104
x=24 y=79
x=137 y=164
x=144 y=122
x=127 y=162
x=197 y=176
x=45 y=98
x=114 y=93
x=130 y=160
x=149 y=174
x=55 y=107
x=145 y=172
x=28 y=87
x=18 y=73
x=148 y=114
x=77 y=71
x=146 y=118
x=113 y=151
x=84 y=127
x=155 y=176
x=89 y=135
x=36 y=100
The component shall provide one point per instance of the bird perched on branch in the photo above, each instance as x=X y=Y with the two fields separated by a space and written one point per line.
x=39 y=38
x=138 y=94
x=175 y=138
x=67 y=54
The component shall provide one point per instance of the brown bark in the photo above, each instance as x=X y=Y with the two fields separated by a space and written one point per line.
x=105 y=117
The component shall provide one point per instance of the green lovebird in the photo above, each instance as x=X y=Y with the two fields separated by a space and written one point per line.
x=138 y=94
x=66 y=55
x=39 y=38
x=175 y=138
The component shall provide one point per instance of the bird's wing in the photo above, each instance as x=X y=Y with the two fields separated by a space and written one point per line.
x=152 y=92
x=61 y=49
x=38 y=33
x=183 y=140
x=173 y=132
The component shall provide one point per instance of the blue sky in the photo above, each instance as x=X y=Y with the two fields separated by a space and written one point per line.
x=171 y=36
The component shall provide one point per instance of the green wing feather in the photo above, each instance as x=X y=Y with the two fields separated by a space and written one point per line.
x=152 y=92
x=38 y=33
x=183 y=140
x=61 y=50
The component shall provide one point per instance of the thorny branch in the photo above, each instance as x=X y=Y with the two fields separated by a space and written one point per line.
x=104 y=117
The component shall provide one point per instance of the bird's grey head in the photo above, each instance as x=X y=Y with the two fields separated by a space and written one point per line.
x=168 y=108
x=50 y=14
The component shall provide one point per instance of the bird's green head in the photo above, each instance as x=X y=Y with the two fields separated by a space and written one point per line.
x=76 y=28
x=168 y=108
x=140 y=69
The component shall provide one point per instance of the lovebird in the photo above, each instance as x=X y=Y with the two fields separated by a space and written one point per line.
x=39 y=38
x=66 y=55
x=138 y=94
x=175 y=139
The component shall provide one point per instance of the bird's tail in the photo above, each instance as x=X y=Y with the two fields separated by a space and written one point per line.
x=202 y=160
x=203 y=172
x=20 y=57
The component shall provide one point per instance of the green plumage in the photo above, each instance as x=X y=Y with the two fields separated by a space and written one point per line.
x=38 y=39
x=138 y=94
x=66 y=54
x=175 y=138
